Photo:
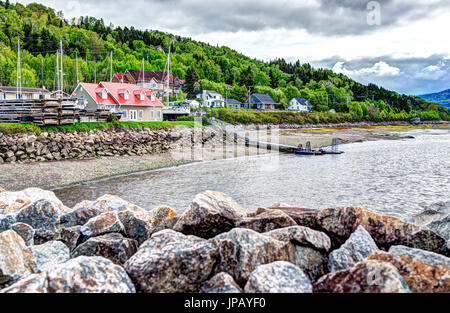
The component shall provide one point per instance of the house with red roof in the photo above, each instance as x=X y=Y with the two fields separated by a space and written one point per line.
x=133 y=102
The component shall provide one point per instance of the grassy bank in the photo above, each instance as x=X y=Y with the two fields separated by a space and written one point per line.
x=284 y=117
x=13 y=128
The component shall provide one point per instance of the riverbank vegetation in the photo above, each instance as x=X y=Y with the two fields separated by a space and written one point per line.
x=373 y=115
x=83 y=127
x=203 y=66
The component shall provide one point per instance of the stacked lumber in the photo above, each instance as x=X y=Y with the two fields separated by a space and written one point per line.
x=45 y=112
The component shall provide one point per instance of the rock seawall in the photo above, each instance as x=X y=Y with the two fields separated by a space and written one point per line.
x=49 y=146
x=215 y=246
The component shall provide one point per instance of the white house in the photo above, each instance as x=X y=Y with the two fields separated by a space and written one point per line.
x=299 y=105
x=193 y=103
x=212 y=99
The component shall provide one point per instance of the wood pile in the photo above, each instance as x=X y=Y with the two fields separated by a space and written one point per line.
x=44 y=112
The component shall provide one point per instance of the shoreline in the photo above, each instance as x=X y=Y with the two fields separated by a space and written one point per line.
x=66 y=173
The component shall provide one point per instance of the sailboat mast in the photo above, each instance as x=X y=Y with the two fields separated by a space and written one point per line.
x=61 y=68
x=76 y=64
x=143 y=73
x=19 y=72
x=168 y=74
x=58 y=81
x=111 y=67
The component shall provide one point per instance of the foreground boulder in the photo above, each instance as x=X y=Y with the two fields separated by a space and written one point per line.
x=358 y=247
x=80 y=275
x=16 y=259
x=71 y=236
x=162 y=217
x=171 y=262
x=365 y=277
x=135 y=226
x=44 y=217
x=25 y=231
x=266 y=220
x=278 y=277
x=13 y=202
x=112 y=246
x=104 y=223
x=241 y=250
x=7 y=221
x=220 y=283
x=436 y=218
x=50 y=254
x=311 y=248
x=302 y=236
x=302 y=216
x=81 y=214
x=210 y=214
x=423 y=271
x=108 y=203
x=386 y=231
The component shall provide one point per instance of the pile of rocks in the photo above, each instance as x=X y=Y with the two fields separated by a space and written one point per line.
x=48 y=146
x=215 y=246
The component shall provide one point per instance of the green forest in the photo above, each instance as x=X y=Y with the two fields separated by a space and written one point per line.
x=90 y=41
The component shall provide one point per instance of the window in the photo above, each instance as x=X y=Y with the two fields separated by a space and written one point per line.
x=104 y=94
x=159 y=114
x=153 y=114
x=141 y=115
x=126 y=95
x=153 y=98
x=133 y=115
x=124 y=115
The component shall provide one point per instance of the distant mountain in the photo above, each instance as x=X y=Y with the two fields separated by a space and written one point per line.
x=443 y=97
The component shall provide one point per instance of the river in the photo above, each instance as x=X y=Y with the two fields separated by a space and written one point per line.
x=394 y=177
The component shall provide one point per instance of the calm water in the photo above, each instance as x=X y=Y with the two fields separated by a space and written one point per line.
x=397 y=177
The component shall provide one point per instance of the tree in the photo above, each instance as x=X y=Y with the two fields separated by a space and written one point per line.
x=191 y=85
x=247 y=77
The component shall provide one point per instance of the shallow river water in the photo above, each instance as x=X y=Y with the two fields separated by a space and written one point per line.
x=398 y=177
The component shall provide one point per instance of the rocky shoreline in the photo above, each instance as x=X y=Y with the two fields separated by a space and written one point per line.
x=215 y=246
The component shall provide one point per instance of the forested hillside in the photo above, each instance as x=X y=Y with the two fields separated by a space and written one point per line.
x=40 y=29
x=443 y=97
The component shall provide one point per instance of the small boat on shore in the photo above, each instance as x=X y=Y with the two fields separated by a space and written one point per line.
x=304 y=152
x=308 y=151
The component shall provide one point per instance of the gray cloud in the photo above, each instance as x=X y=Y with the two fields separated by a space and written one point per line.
x=325 y=17
x=416 y=75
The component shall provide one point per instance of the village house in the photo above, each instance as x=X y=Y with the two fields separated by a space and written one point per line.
x=260 y=101
x=211 y=99
x=133 y=102
x=233 y=103
x=10 y=93
x=193 y=103
x=299 y=105
x=154 y=80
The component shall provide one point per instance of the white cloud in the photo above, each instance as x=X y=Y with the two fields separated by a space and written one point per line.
x=434 y=72
x=378 y=69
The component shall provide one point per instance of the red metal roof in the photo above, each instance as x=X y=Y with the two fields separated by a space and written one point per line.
x=92 y=90
x=116 y=88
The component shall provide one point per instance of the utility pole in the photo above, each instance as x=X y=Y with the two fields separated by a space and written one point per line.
x=249 y=97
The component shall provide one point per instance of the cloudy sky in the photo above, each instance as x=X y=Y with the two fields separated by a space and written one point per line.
x=400 y=44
